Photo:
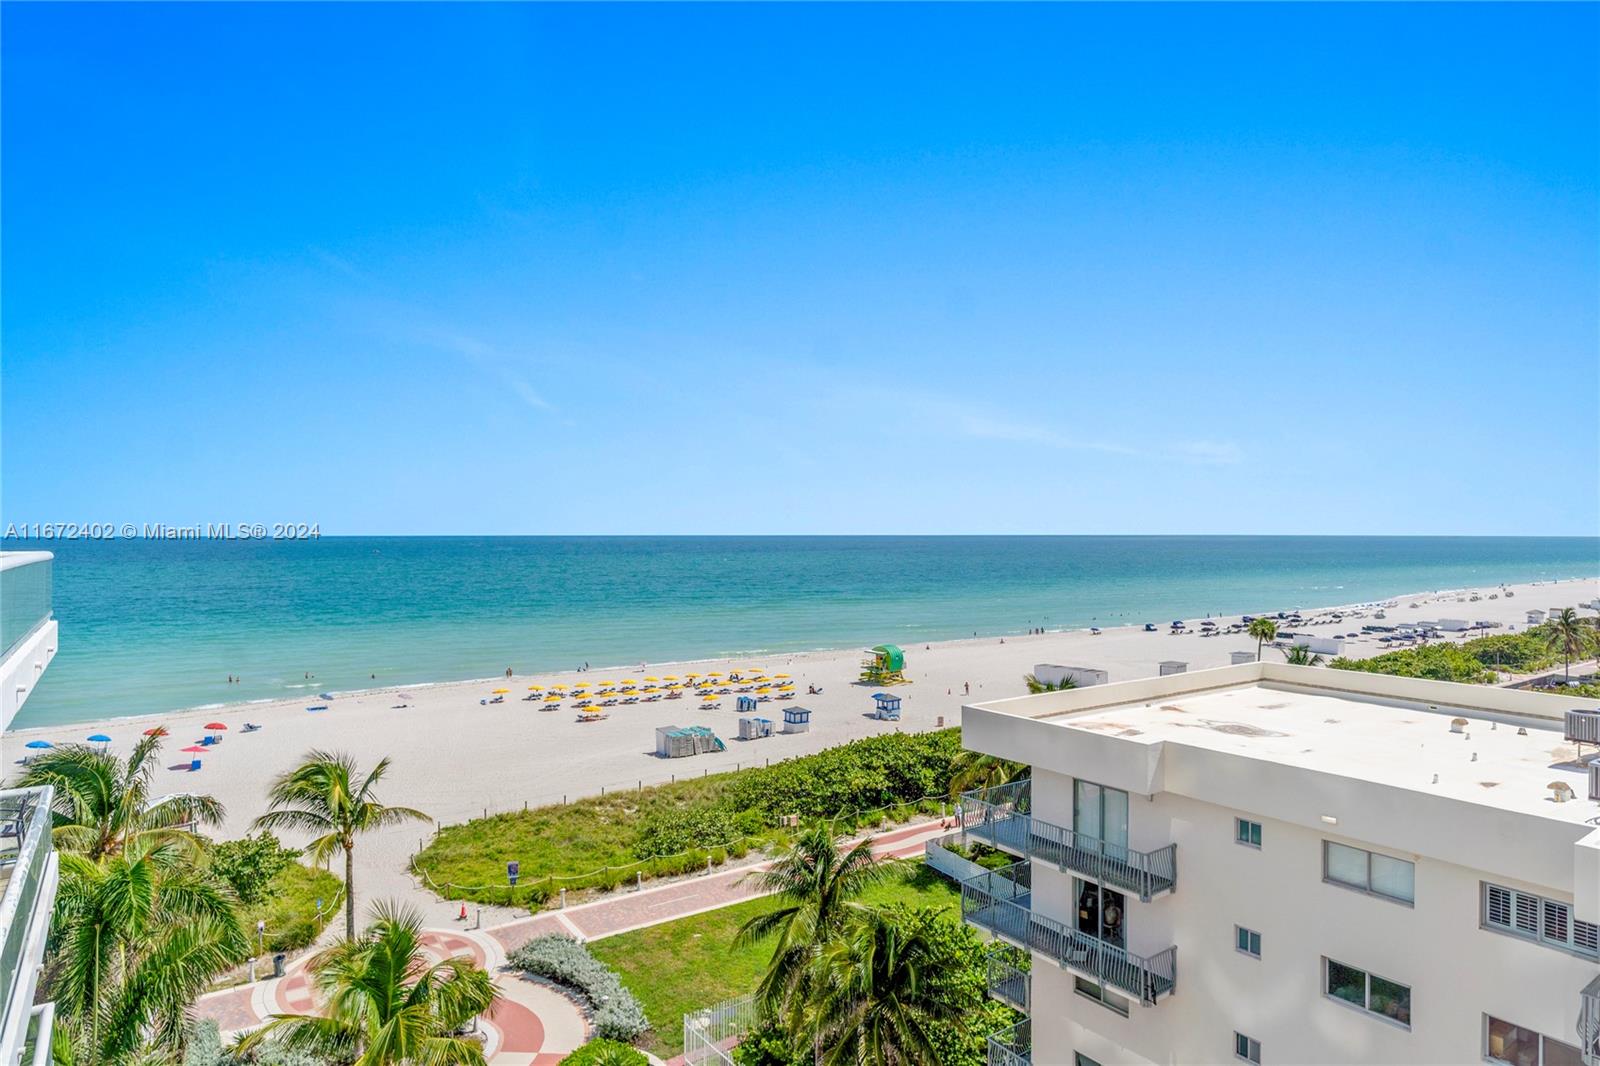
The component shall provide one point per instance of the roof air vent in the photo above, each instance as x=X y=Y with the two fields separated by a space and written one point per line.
x=1458 y=725
x=1560 y=791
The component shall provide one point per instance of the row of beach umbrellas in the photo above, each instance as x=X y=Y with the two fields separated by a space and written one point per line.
x=157 y=731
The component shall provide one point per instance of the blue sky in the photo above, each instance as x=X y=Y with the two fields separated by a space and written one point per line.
x=502 y=269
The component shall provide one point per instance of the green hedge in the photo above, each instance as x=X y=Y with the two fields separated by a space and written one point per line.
x=1471 y=662
x=665 y=830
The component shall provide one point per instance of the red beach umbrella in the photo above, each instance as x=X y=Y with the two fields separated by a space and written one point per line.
x=215 y=725
x=158 y=731
x=197 y=747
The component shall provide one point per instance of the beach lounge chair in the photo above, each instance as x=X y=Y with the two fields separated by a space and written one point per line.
x=250 y=727
x=194 y=764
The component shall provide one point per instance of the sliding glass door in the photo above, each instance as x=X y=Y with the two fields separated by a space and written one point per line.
x=1100 y=813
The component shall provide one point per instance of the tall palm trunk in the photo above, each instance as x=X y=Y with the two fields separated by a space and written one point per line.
x=349 y=890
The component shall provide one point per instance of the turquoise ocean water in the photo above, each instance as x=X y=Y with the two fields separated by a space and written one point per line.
x=150 y=626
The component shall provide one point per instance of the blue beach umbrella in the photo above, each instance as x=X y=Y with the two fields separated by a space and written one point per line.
x=38 y=744
x=99 y=738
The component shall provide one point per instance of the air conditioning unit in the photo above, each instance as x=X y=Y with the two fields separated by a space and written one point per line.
x=1583 y=727
x=1594 y=778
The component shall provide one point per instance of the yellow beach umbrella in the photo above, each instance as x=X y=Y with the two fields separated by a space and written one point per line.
x=552 y=698
x=780 y=675
x=652 y=679
x=672 y=677
x=535 y=688
x=500 y=691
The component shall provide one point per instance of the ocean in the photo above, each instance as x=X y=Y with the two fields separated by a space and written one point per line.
x=159 y=625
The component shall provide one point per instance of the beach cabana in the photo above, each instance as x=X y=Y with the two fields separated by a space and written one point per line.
x=886 y=665
x=887 y=706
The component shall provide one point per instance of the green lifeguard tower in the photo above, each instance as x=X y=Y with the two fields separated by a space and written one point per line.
x=887 y=666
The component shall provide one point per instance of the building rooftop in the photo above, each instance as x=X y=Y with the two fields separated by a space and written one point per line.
x=1509 y=749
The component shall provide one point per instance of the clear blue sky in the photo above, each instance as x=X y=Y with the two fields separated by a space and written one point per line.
x=440 y=269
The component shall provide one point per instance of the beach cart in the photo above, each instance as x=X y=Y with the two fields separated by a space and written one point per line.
x=675 y=742
x=746 y=703
x=754 y=728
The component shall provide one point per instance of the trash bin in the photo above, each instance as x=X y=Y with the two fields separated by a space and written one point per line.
x=277 y=963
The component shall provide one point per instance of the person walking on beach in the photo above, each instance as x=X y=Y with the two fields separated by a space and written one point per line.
x=966 y=688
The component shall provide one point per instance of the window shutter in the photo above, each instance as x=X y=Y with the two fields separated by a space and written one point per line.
x=1557 y=921
x=1586 y=936
x=1527 y=908
x=1498 y=908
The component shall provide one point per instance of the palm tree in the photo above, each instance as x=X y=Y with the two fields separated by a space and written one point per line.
x=1263 y=629
x=883 y=987
x=814 y=883
x=320 y=797
x=385 y=1005
x=1301 y=655
x=135 y=938
x=1035 y=686
x=974 y=770
x=1568 y=636
x=102 y=803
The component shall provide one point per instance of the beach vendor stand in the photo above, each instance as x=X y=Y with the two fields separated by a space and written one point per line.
x=797 y=719
x=887 y=706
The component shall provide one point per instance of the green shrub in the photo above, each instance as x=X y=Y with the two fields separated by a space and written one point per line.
x=671 y=831
x=290 y=907
x=249 y=864
x=615 y=1012
x=1437 y=662
x=606 y=1053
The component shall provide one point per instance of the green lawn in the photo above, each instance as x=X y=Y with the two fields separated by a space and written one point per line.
x=680 y=966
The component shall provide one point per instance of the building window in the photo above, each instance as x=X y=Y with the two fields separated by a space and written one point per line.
x=1247 y=833
x=1093 y=990
x=1548 y=921
x=1370 y=872
x=1247 y=941
x=1516 y=1046
x=1245 y=1048
x=1371 y=993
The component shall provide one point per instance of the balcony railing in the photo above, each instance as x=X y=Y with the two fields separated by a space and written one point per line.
x=25 y=848
x=1009 y=984
x=1003 y=907
x=1001 y=818
x=1012 y=1047
x=1589 y=1023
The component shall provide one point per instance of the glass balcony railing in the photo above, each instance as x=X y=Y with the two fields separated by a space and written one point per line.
x=1012 y=1047
x=24 y=858
x=1001 y=817
x=25 y=596
x=1001 y=903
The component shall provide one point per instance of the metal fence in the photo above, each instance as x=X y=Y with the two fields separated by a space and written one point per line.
x=1012 y=1047
x=711 y=1033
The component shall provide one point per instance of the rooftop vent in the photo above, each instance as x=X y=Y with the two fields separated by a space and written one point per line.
x=1458 y=725
x=1594 y=779
x=1560 y=791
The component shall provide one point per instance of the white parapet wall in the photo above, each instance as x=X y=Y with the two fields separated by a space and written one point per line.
x=20 y=671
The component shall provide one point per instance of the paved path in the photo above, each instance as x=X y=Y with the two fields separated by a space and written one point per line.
x=535 y=1024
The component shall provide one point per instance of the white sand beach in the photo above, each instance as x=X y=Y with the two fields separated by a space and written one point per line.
x=457 y=758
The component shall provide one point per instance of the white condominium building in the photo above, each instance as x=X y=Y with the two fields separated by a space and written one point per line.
x=28 y=865
x=1277 y=864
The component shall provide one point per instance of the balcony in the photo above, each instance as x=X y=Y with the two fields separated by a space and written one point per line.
x=1010 y=984
x=27 y=893
x=1000 y=818
x=1000 y=903
x=1011 y=1047
x=1589 y=1023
